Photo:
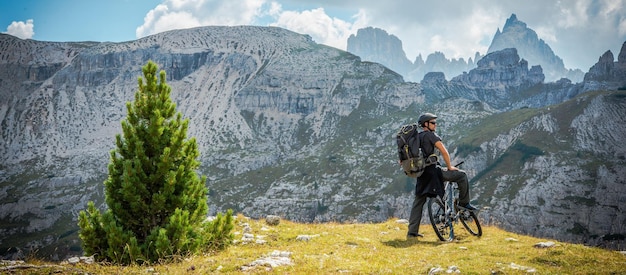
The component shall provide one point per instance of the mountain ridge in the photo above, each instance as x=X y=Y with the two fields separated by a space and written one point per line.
x=388 y=51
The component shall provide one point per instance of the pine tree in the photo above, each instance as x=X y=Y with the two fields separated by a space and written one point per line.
x=156 y=201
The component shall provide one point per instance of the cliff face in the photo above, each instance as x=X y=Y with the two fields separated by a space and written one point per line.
x=373 y=44
x=607 y=72
x=289 y=127
x=502 y=69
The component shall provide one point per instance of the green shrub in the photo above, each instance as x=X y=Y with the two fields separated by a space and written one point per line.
x=157 y=203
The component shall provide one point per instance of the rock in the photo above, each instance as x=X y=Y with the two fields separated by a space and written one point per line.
x=515 y=266
x=87 y=260
x=275 y=259
x=434 y=78
x=272 y=220
x=305 y=238
x=402 y=221
x=247 y=237
x=544 y=244
x=247 y=228
x=73 y=260
x=435 y=270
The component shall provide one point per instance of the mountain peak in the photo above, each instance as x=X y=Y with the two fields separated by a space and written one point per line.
x=516 y=34
x=374 y=44
x=606 y=70
x=513 y=22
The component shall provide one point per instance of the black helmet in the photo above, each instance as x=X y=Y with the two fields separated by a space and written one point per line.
x=425 y=117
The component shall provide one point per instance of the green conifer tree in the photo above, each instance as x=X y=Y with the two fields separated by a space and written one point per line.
x=157 y=203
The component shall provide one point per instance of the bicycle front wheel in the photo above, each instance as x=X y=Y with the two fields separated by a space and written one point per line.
x=438 y=219
x=470 y=222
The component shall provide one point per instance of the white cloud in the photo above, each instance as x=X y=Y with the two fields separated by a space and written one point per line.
x=178 y=14
x=320 y=26
x=162 y=19
x=21 y=29
x=573 y=15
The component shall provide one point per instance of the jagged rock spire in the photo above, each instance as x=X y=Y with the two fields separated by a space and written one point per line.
x=516 y=34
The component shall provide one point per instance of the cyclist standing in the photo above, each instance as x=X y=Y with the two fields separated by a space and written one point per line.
x=430 y=183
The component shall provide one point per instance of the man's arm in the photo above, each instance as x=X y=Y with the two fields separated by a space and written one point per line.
x=445 y=155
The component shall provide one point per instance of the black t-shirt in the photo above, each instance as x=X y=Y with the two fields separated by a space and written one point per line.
x=428 y=142
x=430 y=183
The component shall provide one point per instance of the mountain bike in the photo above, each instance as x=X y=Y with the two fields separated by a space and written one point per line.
x=445 y=212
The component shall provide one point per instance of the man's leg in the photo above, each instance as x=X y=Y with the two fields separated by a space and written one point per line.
x=460 y=177
x=416 y=216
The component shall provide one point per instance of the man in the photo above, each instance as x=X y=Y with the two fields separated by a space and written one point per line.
x=430 y=183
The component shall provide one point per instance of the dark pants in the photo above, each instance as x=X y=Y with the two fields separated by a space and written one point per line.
x=415 y=218
x=460 y=177
x=416 y=214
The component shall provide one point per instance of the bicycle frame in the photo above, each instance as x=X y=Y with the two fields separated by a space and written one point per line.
x=450 y=205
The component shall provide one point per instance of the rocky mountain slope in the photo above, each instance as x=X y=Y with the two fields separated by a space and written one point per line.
x=289 y=127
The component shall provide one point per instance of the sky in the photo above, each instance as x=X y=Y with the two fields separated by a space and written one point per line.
x=578 y=31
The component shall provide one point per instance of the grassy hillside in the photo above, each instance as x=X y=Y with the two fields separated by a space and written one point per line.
x=378 y=248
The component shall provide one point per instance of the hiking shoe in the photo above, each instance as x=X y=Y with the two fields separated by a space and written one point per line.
x=409 y=236
x=469 y=207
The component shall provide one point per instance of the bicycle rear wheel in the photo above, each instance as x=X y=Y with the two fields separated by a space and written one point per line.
x=470 y=222
x=437 y=215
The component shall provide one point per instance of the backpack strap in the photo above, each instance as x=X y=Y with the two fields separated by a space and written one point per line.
x=419 y=138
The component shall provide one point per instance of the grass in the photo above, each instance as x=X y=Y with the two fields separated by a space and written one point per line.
x=373 y=248
x=496 y=124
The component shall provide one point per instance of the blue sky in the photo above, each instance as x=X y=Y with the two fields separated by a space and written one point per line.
x=78 y=20
x=578 y=31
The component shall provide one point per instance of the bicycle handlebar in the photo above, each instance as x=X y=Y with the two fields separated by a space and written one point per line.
x=456 y=165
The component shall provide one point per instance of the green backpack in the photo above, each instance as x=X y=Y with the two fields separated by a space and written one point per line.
x=410 y=150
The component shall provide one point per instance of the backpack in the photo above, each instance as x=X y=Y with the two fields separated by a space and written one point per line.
x=410 y=150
